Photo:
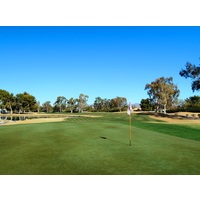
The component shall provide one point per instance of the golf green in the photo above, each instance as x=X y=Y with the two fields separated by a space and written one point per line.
x=100 y=146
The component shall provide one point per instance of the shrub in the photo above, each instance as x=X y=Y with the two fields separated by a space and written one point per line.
x=193 y=115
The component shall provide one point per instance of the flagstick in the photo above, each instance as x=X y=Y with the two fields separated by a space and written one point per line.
x=130 y=134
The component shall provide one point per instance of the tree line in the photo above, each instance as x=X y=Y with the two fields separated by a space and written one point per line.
x=62 y=104
x=22 y=102
x=190 y=104
x=25 y=102
x=163 y=95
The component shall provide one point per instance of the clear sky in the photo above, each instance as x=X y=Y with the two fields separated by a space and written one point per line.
x=48 y=62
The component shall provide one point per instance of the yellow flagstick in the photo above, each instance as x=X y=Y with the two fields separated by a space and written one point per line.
x=130 y=134
x=130 y=128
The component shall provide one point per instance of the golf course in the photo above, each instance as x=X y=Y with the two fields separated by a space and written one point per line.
x=98 y=144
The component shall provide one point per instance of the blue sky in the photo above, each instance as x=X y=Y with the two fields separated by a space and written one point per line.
x=98 y=61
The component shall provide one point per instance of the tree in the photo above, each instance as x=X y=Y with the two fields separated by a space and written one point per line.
x=82 y=102
x=107 y=104
x=72 y=104
x=19 y=102
x=25 y=102
x=193 y=104
x=113 y=105
x=195 y=100
x=193 y=72
x=163 y=92
x=11 y=102
x=38 y=106
x=61 y=103
x=29 y=102
x=121 y=102
x=7 y=100
x=46 y=106
x=3 y=97
x=98 y=104
x=146 y=104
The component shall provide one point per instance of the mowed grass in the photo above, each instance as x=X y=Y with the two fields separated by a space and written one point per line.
x=90 y=146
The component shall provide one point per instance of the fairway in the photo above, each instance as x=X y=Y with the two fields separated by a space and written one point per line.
x=100 y=146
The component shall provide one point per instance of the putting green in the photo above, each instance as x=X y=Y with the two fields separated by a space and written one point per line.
x=97 y=146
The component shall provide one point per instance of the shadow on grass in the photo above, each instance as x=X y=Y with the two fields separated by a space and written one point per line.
x=105 y=138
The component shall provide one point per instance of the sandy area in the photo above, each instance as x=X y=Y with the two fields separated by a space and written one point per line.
x=177 y=121
x=34 y=121
x=47 y=118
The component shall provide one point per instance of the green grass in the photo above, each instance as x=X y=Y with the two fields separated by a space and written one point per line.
x=88 y=146
x=184 y=131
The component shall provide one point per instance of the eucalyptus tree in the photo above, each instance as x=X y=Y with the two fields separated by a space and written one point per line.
x=46 y=106
x=11 y=102
x=38 y=106
x=121 y=102
x=72 y=103
x=113 y=105
x=163 y=92
x=61 y=103
x=106 y=104
x=193 y=72
x=7 y=100
x=82 y=102
x=98 y=104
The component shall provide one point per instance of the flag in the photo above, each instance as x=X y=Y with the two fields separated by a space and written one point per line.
x=129 y=109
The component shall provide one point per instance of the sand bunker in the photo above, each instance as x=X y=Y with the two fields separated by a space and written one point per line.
x=43 y=119
x=34 y=121
x=176 y=121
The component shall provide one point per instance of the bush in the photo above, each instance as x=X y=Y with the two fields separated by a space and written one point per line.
x=174 y=110
x=193 y=115
x=185 y=109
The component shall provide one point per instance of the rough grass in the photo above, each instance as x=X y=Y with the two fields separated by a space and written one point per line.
x=87 y=146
